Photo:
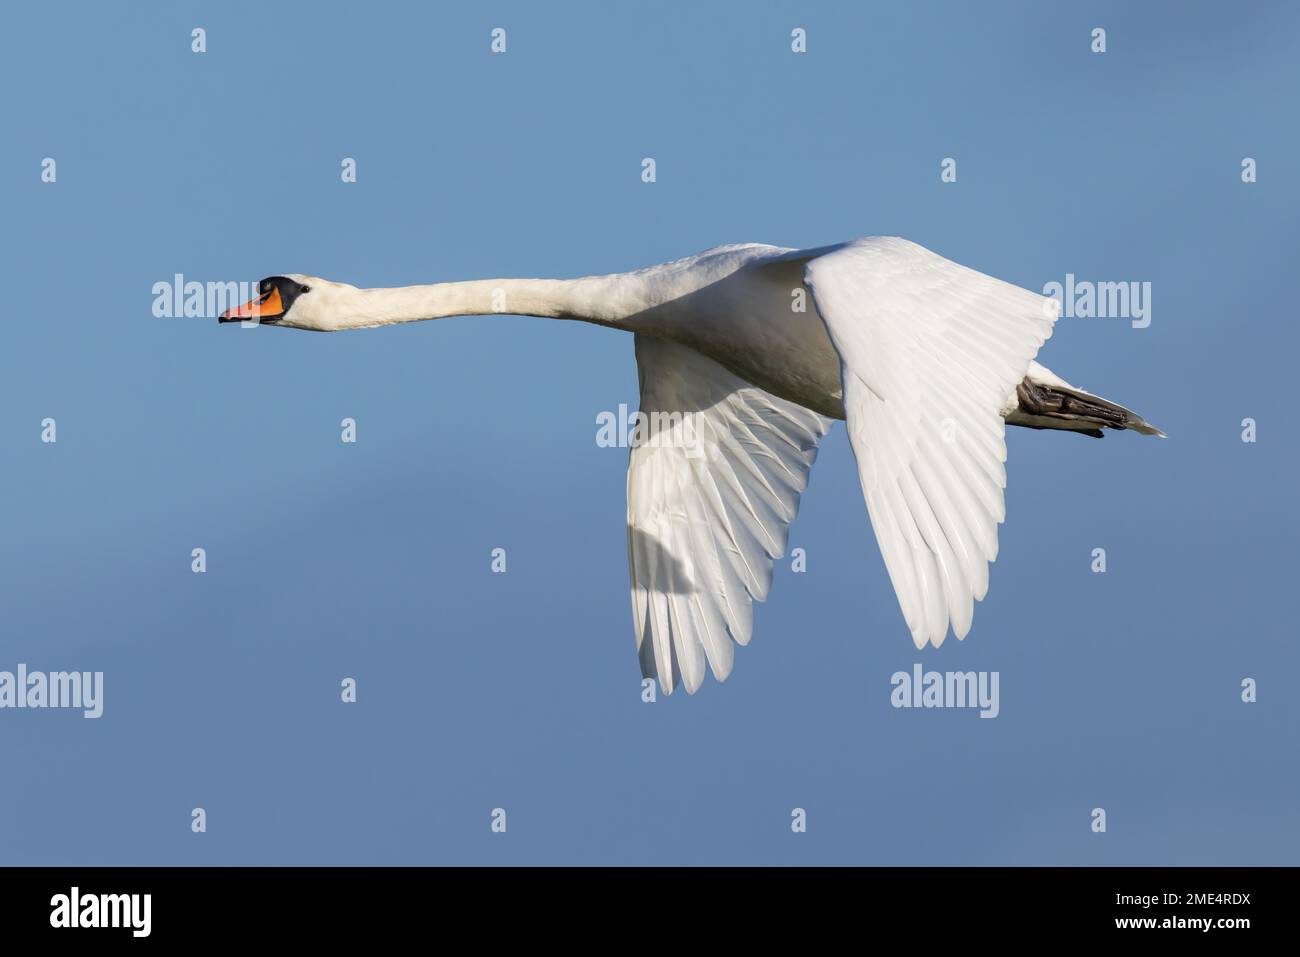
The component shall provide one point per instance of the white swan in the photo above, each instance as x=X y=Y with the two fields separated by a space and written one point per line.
x=746 y=354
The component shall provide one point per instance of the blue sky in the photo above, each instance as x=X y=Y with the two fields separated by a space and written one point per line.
x=521 y=690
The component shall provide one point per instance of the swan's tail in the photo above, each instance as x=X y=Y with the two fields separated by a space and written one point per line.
x=1043 y=400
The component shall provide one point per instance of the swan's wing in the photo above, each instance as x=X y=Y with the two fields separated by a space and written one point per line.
x=712 y=486
x=930 y=351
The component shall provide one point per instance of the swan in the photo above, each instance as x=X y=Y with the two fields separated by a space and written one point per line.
x=746 y=354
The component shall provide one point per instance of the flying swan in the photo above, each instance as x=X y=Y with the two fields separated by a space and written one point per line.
x=745 y=355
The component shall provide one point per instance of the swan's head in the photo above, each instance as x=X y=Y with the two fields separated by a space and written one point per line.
x=295 y=300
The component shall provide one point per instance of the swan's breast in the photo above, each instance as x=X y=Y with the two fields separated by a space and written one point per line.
x=760 y=322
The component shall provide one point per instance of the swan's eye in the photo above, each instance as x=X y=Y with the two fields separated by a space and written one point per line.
x=304 y=289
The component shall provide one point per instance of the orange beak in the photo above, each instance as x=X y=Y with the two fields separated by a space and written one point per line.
x=266 y=306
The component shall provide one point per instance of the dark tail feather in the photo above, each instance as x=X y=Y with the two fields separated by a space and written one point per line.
x=1053 y=407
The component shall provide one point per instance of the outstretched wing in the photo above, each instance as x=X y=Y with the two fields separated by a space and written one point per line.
x=713 y=482
x=929 y=353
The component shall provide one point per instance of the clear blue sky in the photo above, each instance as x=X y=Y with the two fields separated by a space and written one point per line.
x=521 y=690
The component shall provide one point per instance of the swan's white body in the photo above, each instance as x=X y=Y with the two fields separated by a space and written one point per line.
x=920 y=356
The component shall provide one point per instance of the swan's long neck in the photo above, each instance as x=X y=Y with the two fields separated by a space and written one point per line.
x=606 y=300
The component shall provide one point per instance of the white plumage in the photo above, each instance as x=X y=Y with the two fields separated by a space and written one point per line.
x=706 y=517
x=930 y=351
x=741 y=377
